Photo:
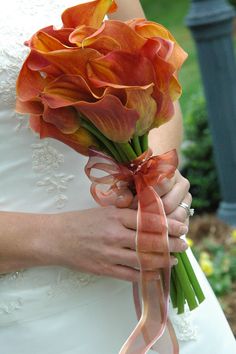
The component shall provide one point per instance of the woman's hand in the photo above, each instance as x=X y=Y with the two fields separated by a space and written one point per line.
x=102 y=241
x=172 y=191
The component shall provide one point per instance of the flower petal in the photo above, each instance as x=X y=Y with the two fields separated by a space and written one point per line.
x=90 y=13
x=145 y=105
x=114 y=120
x=175 y=89
x=80 y=141
x=148 y=29
x=65 y=118
x=43 y=42
x=61 y=34
x=67 y=90
x=80 y=33
x=165 y=109
x=119 y=69
x=29 y=83
x=71 y=61
x=126 y=38
x=32 y=106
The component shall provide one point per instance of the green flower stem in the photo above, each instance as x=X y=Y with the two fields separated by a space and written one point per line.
x=108 y=144
x=121 y=152
x=128 y=150
x=180 y=295
x=192 y=277
x=144 y=142
x=136 y=145
x=183 y=280
x=173 y=290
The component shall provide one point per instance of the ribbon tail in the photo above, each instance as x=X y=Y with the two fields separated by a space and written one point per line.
x=153 y=326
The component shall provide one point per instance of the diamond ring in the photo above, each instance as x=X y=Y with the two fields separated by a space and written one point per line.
x=190 y=211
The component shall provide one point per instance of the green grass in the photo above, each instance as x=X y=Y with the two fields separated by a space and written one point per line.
x=171 y=14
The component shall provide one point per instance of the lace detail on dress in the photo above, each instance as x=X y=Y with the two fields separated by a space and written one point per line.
x=46 y=160
x=22 y=122
x=18 y=275
x=71 y=280
x=8 y=307
x=184 y=327
x=11 y=306
x=67 y=281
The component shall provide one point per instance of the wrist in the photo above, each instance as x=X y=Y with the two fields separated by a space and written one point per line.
x=44 y=244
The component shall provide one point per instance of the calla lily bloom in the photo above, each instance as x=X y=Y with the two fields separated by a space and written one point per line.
x=148 y=29
x=81 y=140
x=89 y=14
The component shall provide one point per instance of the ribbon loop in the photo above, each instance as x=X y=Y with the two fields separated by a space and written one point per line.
x=142 y=175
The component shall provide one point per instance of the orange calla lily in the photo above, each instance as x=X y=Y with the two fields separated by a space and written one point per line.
x=81 y=140
x=90 y=14
x=143 y=102
x=62 y=35
x=71 y=61
x=148 y=29
x=29 y=83
x=34 y=106
x=69 y=89
x=114 y=120
x=64 y=118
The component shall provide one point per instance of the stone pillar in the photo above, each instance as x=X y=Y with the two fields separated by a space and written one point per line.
x=211 y=24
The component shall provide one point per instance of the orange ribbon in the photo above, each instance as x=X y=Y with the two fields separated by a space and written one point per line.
x=142 y=175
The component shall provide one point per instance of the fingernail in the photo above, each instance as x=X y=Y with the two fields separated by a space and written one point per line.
x=183 y=230
x=184 y=245
x=174 y=261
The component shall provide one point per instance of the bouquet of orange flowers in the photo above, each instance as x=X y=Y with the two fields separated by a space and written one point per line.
x=100 y=87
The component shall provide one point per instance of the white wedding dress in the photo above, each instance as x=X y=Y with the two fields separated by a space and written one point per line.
x=54 y=310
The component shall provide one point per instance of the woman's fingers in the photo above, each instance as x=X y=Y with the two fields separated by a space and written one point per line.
x=151 y=242
x=124 y=273
x=176 y=228
x=151 y=223
x=166 y=185
x=180 y=213
x=150 y=261
x=179 y=191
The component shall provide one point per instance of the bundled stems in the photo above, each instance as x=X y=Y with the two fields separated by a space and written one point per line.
x=102 y=139
x=136 y=145
x=184 y=285
x=192 y=276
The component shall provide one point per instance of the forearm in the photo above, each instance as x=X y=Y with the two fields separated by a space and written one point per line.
x=21 y=236
x=168 y=136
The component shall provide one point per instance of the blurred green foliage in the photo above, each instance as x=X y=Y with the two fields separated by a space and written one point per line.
x=198 y=160
x=232 y=2
x=223 y=262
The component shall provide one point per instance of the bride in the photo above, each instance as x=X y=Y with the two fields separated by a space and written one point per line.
x=66 y=264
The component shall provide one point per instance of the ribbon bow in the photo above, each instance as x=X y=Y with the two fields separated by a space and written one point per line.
x=141 y=176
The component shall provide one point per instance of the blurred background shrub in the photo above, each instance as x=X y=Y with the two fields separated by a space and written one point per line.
x=198 y=161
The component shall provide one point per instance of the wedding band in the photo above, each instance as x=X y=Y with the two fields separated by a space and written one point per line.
x=190 y=211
